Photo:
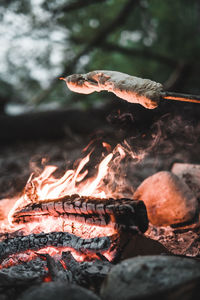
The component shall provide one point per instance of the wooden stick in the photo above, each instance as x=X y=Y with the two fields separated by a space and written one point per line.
x=180 y=97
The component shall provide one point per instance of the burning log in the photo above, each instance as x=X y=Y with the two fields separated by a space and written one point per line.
x=107 y=222
x=146 y=92
x=45 y=268
x=56 y=271
x=39 y=241
x=25 y=274
x=17 y=279
x=119 y=214
x=87 y=274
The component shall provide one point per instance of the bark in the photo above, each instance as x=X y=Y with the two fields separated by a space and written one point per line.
x=87 y=274
x=35 y=242
x=123 y=214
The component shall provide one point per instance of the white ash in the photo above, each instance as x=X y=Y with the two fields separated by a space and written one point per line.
x=178 y=242
x=129 y=88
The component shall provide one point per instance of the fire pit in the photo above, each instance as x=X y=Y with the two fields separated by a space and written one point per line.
x=59 y=233
x=73 y=228
x=76 y=238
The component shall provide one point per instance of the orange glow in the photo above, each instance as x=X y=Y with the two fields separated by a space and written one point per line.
x=56 y=253
x=75 y=181
x=47 y=278
x=107 y=146
x=50 y=223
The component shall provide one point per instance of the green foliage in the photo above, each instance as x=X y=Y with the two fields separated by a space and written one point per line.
x=41 y=38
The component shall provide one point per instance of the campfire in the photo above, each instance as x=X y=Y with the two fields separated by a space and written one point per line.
x=84 y=220
x=76 y=226
x=72 y=214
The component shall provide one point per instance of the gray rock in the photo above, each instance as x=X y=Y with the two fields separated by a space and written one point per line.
x=152 y=277
x=57 y=291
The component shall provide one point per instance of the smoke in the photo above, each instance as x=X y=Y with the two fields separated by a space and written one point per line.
x=175 y=134
x=158 y=142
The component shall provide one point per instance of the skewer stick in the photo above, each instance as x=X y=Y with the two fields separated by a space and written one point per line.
x=180 y=97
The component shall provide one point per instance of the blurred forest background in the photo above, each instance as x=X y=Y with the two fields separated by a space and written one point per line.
x=42 y=40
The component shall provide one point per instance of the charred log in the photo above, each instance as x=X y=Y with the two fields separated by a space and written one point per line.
x=56 y=271
x=55 y=239
x=28 y=273
x=18 y=278
x=87 y=274
x=120 y=213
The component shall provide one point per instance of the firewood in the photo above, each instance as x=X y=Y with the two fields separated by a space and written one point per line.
x=121 y=213
x=35 y=242
x=25 y=274
x=56 y=272
x=87 y=274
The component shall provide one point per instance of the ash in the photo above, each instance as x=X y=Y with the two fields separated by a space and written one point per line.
x=178 y=242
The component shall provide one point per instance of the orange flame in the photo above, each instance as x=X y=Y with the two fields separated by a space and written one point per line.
x=48 y=187
x=75 y=181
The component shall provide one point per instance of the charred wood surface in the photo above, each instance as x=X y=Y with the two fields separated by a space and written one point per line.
x=56 y=271
x=123 y=213
x=24 y=274
x=55 y=239
x=87 y=274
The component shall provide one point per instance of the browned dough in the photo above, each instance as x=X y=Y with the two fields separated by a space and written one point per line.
x=129 y=88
